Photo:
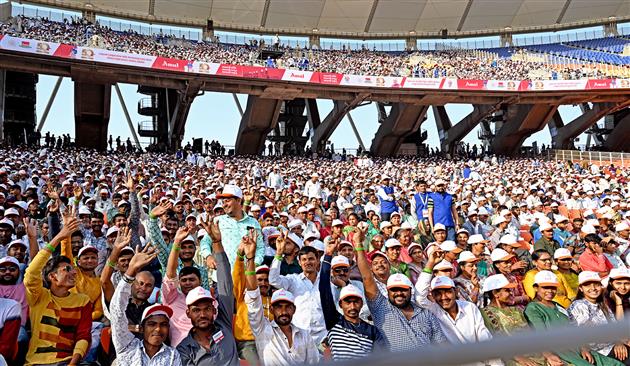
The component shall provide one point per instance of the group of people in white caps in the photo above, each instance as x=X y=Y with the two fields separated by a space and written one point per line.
x=283 y=261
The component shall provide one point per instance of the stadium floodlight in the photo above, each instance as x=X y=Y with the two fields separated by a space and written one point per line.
x=501 y=347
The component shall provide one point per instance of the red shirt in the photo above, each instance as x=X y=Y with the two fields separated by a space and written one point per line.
x=590 y=261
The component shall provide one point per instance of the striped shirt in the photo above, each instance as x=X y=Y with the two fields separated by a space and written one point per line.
x=404 y=334
x=349 y=341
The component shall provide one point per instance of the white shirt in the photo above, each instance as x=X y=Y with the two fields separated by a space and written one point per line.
x=467 y=327
x=312 y=189
x=308 y=313
x=376 y=207
x=272 y=344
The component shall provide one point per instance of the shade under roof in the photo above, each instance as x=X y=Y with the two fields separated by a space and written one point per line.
x=364 y=18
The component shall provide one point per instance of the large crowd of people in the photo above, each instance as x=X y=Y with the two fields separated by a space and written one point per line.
x=464 y=64
x=153 y=259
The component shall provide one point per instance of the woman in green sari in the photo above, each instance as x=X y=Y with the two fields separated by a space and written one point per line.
x=502 y=318
x=543 y=313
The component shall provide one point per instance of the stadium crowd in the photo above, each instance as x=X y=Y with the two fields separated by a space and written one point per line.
x=147 y=259
x=464 y=64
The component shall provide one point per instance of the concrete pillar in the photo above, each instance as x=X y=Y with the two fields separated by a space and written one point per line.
x=450 y=135
x=506 y=39
x=411 y=44
x=179 y=116
x=520 y=121
x=328 y=126
x=313 y=42
x=92 y=104
x=5 y=11
x=260 y=117
x=207 y=34
x=403 y=120
x=89 y=15
x=610 y=28
x=3 y=75
x=617 y=140
x=563 y=134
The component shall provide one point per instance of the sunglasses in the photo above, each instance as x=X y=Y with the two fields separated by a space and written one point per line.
x=67 y=268
x=341 y=270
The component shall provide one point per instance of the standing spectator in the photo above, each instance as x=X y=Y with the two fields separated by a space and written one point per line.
x=442 y=210
x=67 y=338
x=280 y=342
x=387 y=198
x=404 y=325
x=154 y=324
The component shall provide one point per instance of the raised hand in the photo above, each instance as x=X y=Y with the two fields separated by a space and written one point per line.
x=357 y=238
x=52 y=192
x=123 y=239
x=78 y=192
x=281 y=241
x=249 y=245
x=69 y=226
x=131 y=183
x=31 y=227
x=161 y=209
x=181 y=234
x=67 y=214
x=331 y=247
x=141 y=259
x=212 y=228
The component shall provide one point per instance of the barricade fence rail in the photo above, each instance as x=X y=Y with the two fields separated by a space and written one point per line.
x=592 y=157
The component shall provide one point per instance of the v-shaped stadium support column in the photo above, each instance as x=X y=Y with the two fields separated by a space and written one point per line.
x=451 y=135
x=326 y=128
x=92 y=104
x=403 y=120
x=562 y=135
x=520 y=121
x=260 y=117
x=177 y=123
x=618 y=138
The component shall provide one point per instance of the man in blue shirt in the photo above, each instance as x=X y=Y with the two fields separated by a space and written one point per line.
x=388 y=201
x=442 y=210
x=421 y=199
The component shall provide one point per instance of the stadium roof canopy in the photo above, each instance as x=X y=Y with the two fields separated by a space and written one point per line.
x=365 y=19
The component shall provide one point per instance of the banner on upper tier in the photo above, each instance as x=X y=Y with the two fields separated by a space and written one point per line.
x=328 y=78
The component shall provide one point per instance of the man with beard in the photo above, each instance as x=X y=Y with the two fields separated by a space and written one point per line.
x=461 y=320
x=279 y=341
x=211 y=341
x=154 y=324
x=404 y=325
x=442 y=210
x=303 y=286
x=348 y=335
x=7 y=229
x=11 y=289
x=54 y=305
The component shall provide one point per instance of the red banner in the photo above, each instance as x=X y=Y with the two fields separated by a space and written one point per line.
x=171 y=64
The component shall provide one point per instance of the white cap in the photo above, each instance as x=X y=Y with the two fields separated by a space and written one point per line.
x=621 y=227
x=399 y=280
x=318 y=244
x=339 y=261
x=11 y=211
x=198 y=293
x=482 y=211
x=437 y=227
x=588 y=276
x=295 y=239
x=448 y=246
x=384 y=224
x=495 y=282
x=406 y=226
x=442 y=282
x=500 y=255
x=508 y=239
x=348 y=206
x=546 y=278
x=156 y=309
x=466 y=256
x=302 y=209
x=262 y=268
x=16 y=242
x=337 y=222
x=560 y=218
x=391 y=242
x=544 y=226
x=498 y=220
x=444 y=265
x=588 y=229
x=440 y=182
x=350 y=291
x=87 y=248
x=282 y=295
x=311 y=235
x=475 y=238
x=231 y=190
x=9 y=259
x=254 y=208
x=562 y=253
x=472 y=211
x=83 y=210
x=294 y=223
x=615 y=273
x=111 y=230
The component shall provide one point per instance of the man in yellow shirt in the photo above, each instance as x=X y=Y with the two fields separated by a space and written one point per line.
x=60 y=319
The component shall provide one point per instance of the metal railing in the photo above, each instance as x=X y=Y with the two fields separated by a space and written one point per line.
x=602 y=157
